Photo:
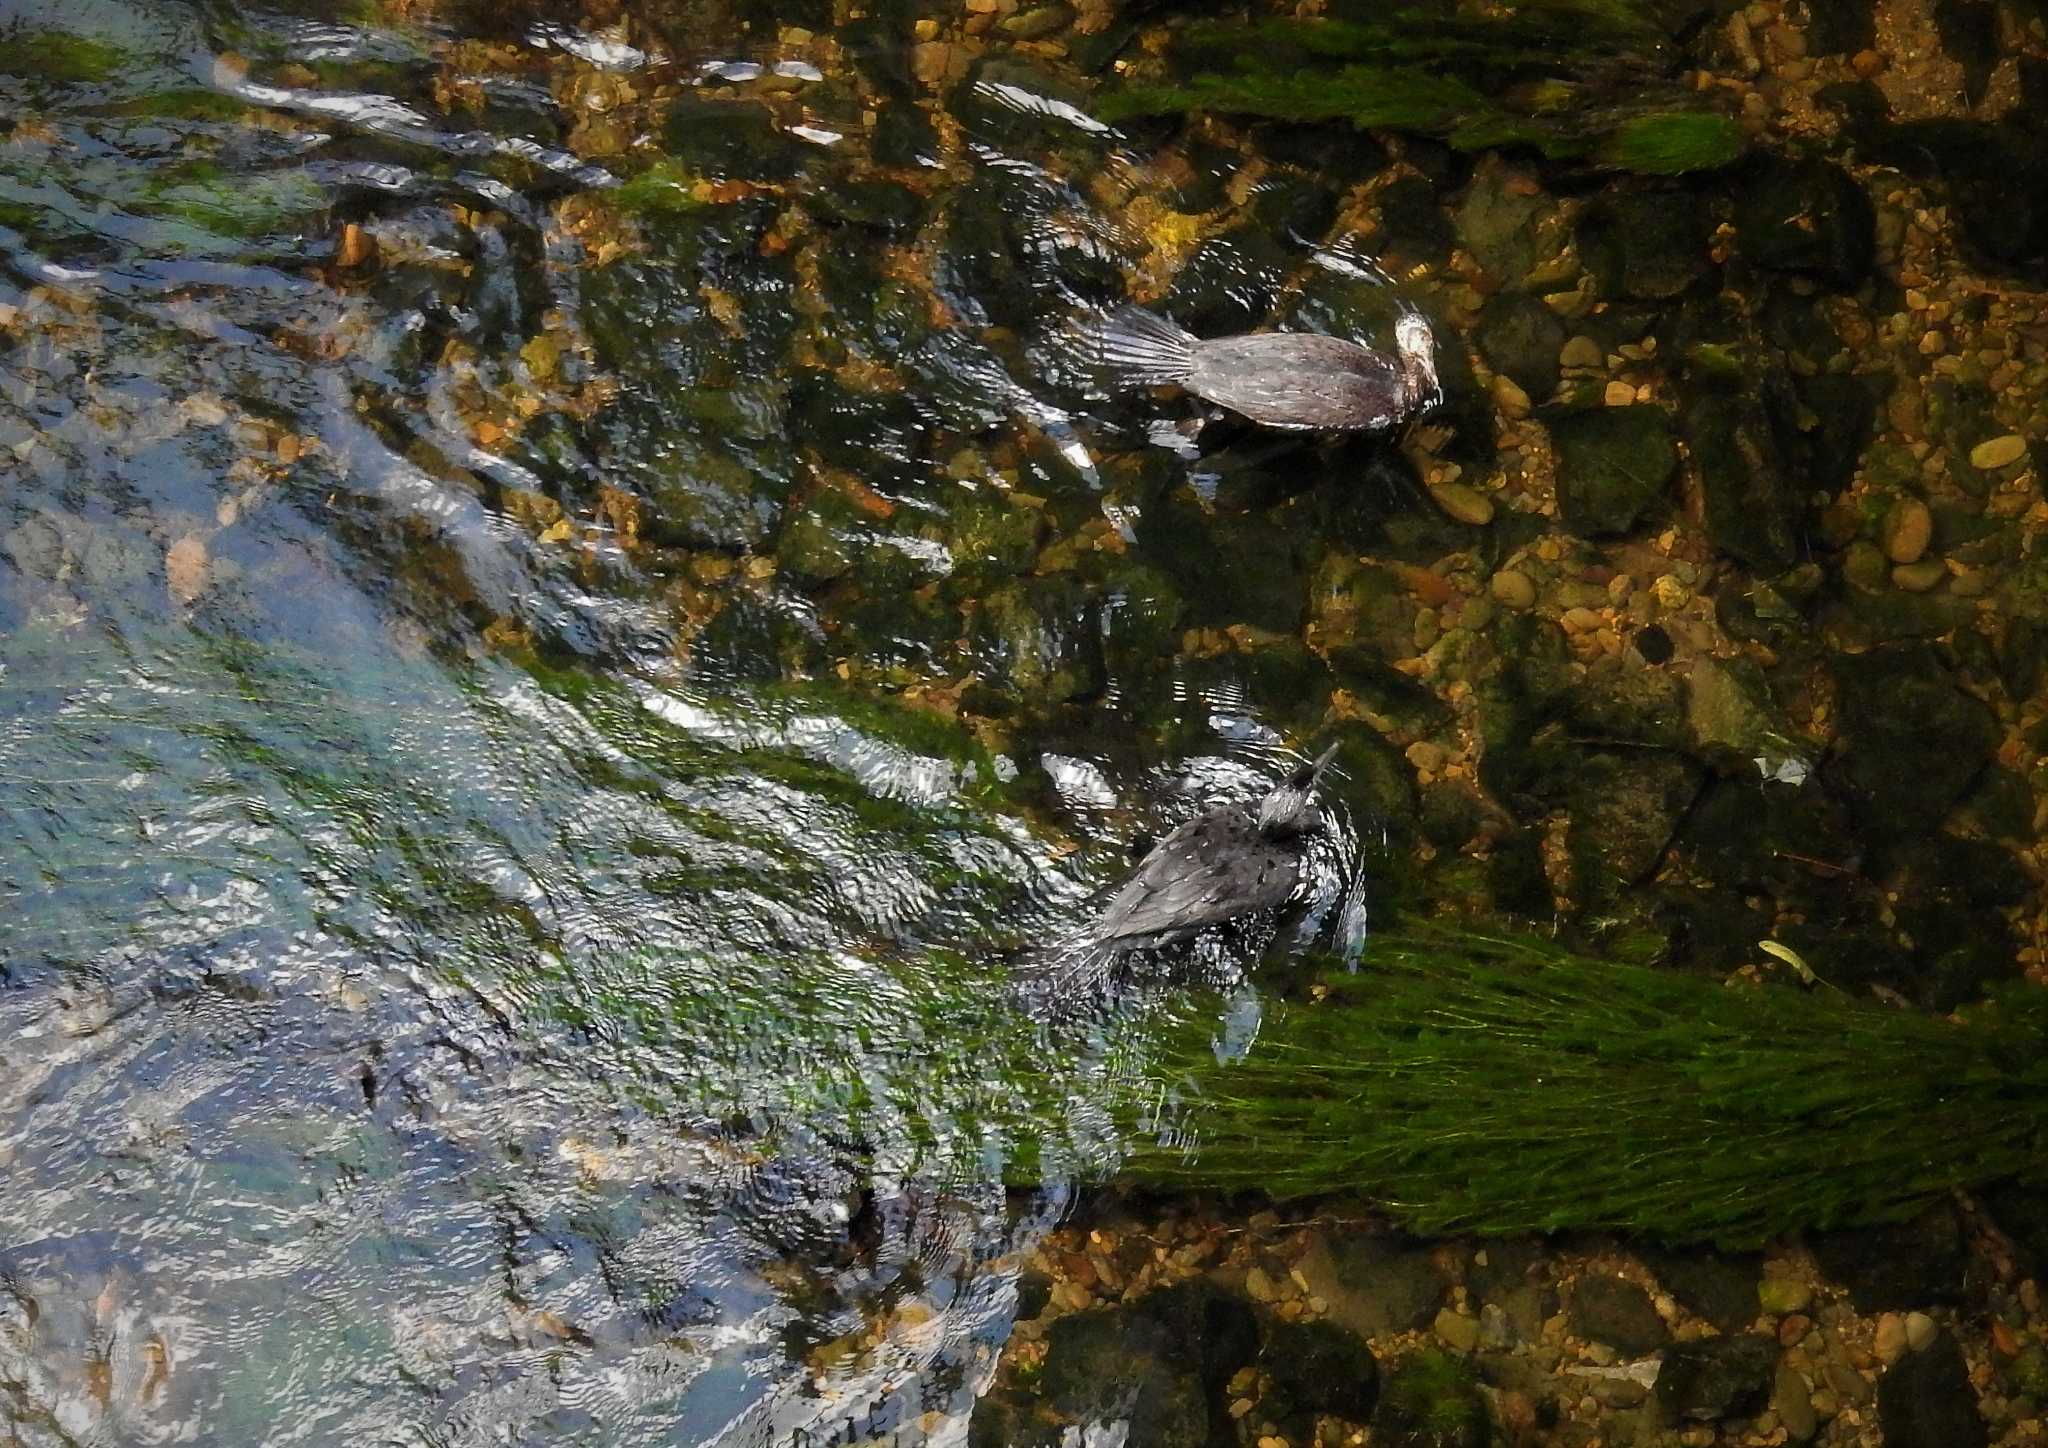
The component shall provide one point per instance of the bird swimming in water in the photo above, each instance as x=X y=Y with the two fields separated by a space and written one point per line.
x=1228 y=861
x=1299 y=380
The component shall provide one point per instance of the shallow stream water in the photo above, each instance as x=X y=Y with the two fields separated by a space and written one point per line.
x=572 y=615
x=490 y=956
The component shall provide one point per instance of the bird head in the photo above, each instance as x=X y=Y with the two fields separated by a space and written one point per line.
x=1289 y=809
x=1416 y=343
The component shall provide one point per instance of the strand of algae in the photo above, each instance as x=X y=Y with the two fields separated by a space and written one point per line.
x=1574 y=79
x=1493 y=1084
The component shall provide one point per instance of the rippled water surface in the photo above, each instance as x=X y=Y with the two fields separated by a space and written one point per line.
x=582 y=643
x=507 y=926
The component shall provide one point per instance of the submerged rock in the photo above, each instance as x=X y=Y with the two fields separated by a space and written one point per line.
x=1754 y=505
x=1911 y=741
x=1520 y=338
x=1925 y=1400
x=1314 y=1368
x=1809 y=217
x=1897 y=1266
x=1116 y=1366
x=1617 y=1312
x=1646 y=245
x=1612 y=465
x=1717 y=1377
x=1721 y=1287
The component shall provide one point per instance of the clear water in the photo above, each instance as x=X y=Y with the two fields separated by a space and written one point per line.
x=494 y=950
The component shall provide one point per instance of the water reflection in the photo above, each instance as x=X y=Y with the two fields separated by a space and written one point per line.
x=477 y=969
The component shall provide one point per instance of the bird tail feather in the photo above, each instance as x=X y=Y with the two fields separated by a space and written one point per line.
x=1142 y=348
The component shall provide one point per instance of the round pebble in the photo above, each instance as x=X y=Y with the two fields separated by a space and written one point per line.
x=1998 y=452
x=1467 y=505
x=1513 y=588
x=1509 y=397
x=1581 y=351
x=1920 y=1330
x=1889 y=1342
x=1921 y=576
x=1425 y=756
x=1908 y=529
x=1619 y=394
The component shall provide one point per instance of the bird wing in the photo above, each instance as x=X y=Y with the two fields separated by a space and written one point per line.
x=1214 y=868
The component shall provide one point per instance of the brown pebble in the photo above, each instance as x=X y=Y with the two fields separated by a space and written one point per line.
x=1513 y=588
x=1889 y=1341
x=1998 y=452
x=1467 y=505
x=1908 y=529
x=2004 y=1339
x=1867 y=63
x=185 y=568
x=1793 y=1329
x=1921 y=576
x=356 y=248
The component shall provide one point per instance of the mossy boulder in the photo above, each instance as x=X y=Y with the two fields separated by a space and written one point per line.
x=1507 y=223
x=1431 y=1400
x=1645 y=245
x=1613 y=464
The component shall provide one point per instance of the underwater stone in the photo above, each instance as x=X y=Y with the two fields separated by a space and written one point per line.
x=1721 y=1287
x=1413 y=224
x=1925 y=1400
x=1617 y=1312
x=1612 y=465
x=1897 y=1266
x=1508 y=225
x=1116 y=1364
x=1911 y=741
x=1431 y=1401
x=1998 y=452
x=1624 y=810
x=1996 y=175
x=731 y=140
x=1230 y=283
x=1717 y=1377
x=1292 y=206
x=1809 y=217
x=1314 y=1368
x=1753 y=506
x=1522 y=339
x=1648 y=245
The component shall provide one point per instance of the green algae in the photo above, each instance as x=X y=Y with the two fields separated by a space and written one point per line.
x=58 y=56
x=1572 y=81
x=1669 y=143
x=1484 y=1083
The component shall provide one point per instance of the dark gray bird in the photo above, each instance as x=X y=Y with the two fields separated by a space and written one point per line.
x=1282 y=379
x=1228 y=861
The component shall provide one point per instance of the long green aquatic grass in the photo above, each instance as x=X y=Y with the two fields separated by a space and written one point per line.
x=1489 y=1084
